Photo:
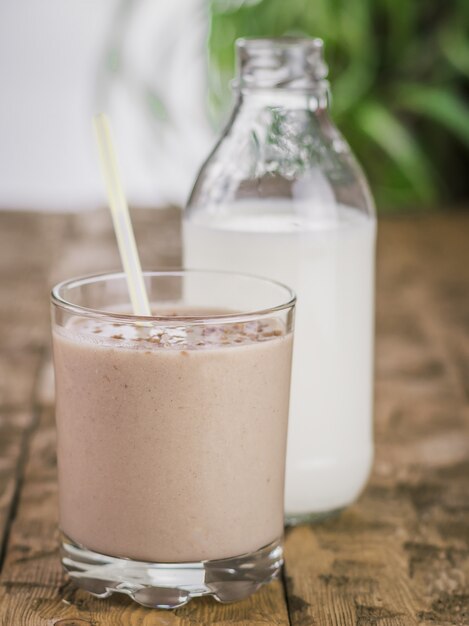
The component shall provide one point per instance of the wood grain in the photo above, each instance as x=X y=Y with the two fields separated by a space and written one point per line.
x=399 y=556
x=14 y=426
x=33 y=589
x=27 y=247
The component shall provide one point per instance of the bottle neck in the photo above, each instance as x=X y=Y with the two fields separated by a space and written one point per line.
x=315 y=100
x=286 y=72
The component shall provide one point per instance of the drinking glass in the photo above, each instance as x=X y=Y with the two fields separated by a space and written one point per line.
x=172 y=433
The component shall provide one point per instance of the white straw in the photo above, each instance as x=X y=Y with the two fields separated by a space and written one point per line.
x=120 y=216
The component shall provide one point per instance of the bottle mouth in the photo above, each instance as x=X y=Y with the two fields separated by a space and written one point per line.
x=283 y=62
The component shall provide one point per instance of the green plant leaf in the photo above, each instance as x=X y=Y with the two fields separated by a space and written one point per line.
x=388 y=132
x=438 y=104
x=349 y=88
x=376 y=50
x=455 y=47
x=401 y=20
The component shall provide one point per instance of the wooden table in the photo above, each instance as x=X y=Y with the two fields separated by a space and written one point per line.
x=400 y=556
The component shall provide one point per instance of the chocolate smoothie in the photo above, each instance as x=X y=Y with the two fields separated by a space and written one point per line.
x=171 y=439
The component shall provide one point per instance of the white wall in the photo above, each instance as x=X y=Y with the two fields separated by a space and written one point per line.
x=51 y=55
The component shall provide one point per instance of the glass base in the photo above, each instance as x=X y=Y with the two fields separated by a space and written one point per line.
x=170 y=585
x=294 y=519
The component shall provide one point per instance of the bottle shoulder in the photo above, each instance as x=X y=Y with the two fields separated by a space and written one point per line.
x=276 y=154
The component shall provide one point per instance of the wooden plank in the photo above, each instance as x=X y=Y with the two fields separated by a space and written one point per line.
x=14 y=427
x=17 y=378
x=400 y=556
x=91 y=246
x=27 y=247
x=29 y=242
x=34 y=591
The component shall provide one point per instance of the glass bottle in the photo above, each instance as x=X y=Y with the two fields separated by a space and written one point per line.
x=281 y=195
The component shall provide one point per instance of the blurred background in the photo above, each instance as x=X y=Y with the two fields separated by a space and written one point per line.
x=399 y=72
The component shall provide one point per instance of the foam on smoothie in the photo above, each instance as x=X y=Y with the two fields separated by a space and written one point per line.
x=170 y=334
